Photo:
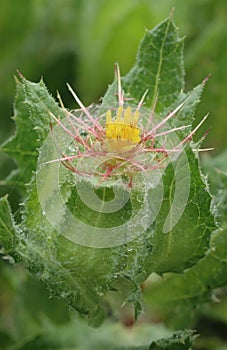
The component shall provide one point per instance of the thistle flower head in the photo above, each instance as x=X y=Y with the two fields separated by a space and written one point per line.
x=118 y=143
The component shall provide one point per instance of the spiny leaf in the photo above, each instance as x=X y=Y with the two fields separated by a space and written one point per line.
x=181 y=340
x=158 y=67
x=32 y=106
x=23 y=145
x=8 y=229
x=39 y=104
x=186 y=115
x=196 y=284
x=191 y=235
x=216 y=167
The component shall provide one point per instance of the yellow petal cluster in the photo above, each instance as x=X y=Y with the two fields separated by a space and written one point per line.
x=124 y=127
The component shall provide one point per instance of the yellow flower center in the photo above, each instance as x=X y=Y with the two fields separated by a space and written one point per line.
x=123 y=132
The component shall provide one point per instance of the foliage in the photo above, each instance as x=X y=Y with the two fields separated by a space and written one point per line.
x=91 y=280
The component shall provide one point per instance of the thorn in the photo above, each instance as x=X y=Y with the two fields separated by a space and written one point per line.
x=169 y=116
x=206 y=79
x=60 y=100
x=193 y=131
x=204 y=149
x=172 y=12
x=142 y=100
x=120 y=94
x=206 y=133
x=172 y=130
x=84 y=109
x=20 y=75
x=75 y=137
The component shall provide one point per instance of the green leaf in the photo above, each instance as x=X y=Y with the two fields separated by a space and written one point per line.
x=23 y=145
x=181 y=340
x=195 y=285
x=55 y=260
x=191 y=100
x=216 y=169
x=40 y=104
x=33 y=104
x=191 y=235
x=8 y=229
x=158 y=67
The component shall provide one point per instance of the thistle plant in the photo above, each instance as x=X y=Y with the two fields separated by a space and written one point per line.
x=114 y=192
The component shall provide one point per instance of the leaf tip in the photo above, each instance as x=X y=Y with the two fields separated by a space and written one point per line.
x=4 y=198
x=205 y=80
x=172 y=12
x=20 y=75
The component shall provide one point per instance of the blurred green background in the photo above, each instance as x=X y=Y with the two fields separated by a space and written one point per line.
x=78 y=41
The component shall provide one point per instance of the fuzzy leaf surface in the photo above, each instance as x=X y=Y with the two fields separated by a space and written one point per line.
x=8 y=230
x=31 y=114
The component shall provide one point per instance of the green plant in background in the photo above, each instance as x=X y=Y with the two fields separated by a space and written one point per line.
x=95 y=279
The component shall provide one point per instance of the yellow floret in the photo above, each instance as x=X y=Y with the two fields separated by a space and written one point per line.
x=124 y=129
